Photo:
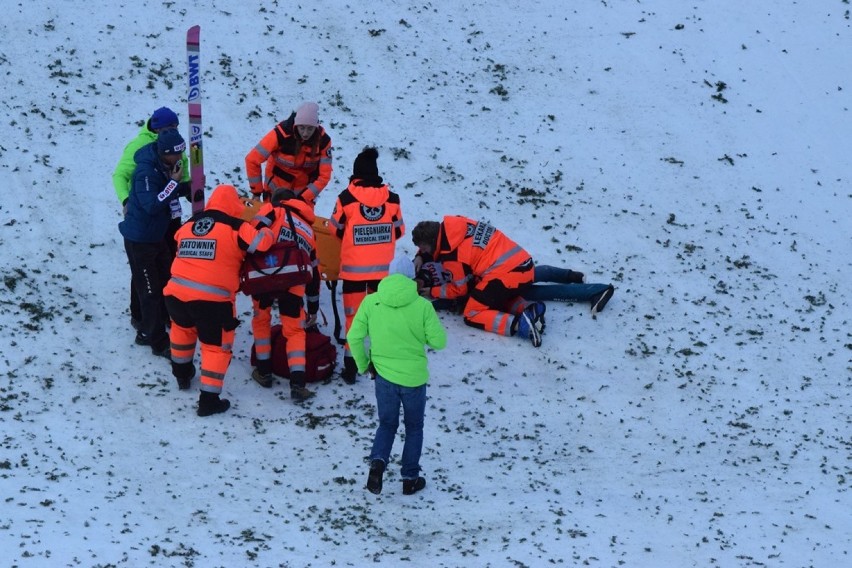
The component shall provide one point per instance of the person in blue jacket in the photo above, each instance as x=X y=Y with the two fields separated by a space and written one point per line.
x=156 y=185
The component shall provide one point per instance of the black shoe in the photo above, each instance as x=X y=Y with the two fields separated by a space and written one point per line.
x=301 y=394
x=263 y=379
x=576 y=277
x=163 y=350
x=209 y=403
x=600 y=300
x=141 y=339
x=374 y=479
x=412 y=486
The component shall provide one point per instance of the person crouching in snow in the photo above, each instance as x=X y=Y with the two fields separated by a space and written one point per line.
x=498 y=267
x=400 y=325
x=446 y=284
x=200 y=295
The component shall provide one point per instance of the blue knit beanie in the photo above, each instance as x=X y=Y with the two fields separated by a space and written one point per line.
x=169 y=141
x=163 y=117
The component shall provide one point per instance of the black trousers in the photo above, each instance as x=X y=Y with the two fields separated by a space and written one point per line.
x=150 y=264
x=135 y=308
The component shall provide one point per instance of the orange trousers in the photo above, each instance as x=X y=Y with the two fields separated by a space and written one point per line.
x=291 y=310
x=213 y=325
x=496 y=300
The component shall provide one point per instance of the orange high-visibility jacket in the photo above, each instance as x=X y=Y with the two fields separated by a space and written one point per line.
x=486 y=250
x=303 y=219
x=368 y=220
x=291 y=163
x=212 y=245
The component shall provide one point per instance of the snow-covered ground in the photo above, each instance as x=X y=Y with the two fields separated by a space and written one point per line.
x=696 y=155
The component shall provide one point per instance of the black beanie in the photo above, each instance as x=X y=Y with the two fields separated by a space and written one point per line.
x=365 y=164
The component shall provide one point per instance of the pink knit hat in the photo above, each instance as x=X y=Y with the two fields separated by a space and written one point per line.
x=307 y=114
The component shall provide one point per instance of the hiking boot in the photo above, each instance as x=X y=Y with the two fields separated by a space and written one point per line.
x=263 y=379
x=374 y=479
x=141 y=339
x=301 y=393
x=209 y=403
x=599 y=301
x=412 y=486
x=523 y=326
x=183 y=373
x=349 y=374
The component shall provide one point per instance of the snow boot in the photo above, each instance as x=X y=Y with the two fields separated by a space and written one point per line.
x=184 y=373
x=209 y=403
x=374 y=479
x=600 y=300
x=412 y=486
x=349 y=374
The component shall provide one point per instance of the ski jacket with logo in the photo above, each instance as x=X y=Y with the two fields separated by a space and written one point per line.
x=291 y=163
x=367 y=217
x=485 y=250
x=212 y=245
x=123 y=173
x=399 y=324
x=152 y=198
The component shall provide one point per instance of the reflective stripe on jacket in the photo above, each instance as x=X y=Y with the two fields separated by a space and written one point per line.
x=368 y=220
x=302 y=166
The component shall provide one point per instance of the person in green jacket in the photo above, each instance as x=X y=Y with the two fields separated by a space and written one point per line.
x=161 y=119
x=400 y=325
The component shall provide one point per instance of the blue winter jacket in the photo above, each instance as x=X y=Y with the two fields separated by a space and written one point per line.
x=148 y=208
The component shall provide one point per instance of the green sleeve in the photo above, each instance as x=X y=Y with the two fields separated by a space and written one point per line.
x=436 y=335
x=123 y=173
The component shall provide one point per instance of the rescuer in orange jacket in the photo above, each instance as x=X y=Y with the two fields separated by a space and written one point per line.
x=200 y=295
x=291 y=306
x=498 y=270
x=297 y=153
x=368 y=219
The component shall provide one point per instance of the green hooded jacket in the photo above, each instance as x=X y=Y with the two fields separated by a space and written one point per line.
x=123 y=173
x=400 y=324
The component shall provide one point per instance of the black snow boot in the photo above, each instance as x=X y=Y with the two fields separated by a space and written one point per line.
x=184 y=373
x=350 y=370
x=298 y=392
x=209 y=403
x=374 y=479
x=412 y=486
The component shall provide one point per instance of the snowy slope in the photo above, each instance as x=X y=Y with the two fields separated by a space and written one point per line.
x=696 y=156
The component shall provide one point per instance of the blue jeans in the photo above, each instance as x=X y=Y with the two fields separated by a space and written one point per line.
x=389 y=397
x=563 y=291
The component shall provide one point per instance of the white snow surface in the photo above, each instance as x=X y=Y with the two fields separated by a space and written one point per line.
x=694 y=154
